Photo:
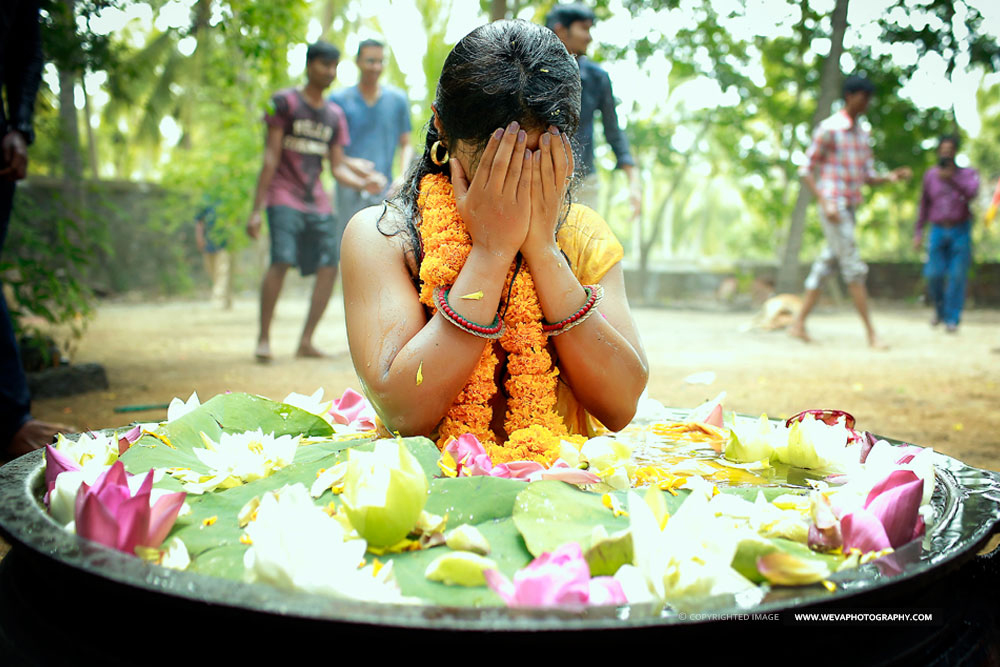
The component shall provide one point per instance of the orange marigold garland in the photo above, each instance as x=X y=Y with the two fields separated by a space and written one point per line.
x=531 y=421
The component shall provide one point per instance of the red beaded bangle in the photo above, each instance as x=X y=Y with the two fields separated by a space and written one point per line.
x=492 y=331
x=594 y=295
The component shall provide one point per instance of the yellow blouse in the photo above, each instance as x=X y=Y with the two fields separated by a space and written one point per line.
x=592 y=250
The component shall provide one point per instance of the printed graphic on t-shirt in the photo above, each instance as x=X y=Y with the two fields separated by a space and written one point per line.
x=309 y=132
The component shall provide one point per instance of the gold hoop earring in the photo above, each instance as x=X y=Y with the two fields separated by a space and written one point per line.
x=435 y=149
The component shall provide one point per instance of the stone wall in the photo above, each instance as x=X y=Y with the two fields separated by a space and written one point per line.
x=131 y=240
x=748 y=284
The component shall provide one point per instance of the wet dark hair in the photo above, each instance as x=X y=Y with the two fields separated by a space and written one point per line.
x=567 y=15
x=953 y=139
x=498 y=73
x=857 y=84
x=369 y=42
x=323 y=50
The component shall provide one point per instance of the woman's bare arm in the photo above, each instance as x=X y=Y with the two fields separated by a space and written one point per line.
x=389 y=334
x=602 y=359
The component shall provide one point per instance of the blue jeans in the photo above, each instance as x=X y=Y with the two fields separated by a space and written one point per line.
x=15 y=400
x=950 y=254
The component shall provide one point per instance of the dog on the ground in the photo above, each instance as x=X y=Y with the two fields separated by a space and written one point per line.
x=777 y=313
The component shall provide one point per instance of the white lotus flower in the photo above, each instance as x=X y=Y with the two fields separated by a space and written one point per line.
x=312 y=404
x=385 y=491
x=812 y=443
x=690 y=555
x=90 y=450
x=179 y=408
x=764 y=518
x=236 y=459
x=611 y=460
x=751 y=441
x=298 y=546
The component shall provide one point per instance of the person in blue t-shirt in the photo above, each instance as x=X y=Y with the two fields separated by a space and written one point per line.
x=378 y=119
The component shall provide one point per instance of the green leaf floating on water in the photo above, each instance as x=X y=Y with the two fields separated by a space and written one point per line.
x=232 y=413
x=550 y=514
x=473 y=500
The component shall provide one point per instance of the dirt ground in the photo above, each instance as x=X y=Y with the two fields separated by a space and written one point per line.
x=929 y=388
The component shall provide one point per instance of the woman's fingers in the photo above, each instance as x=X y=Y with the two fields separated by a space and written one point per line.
x=549 y=184
x=570 y=161
x=530 y=185
x=459 y=181
x=560 y=161
x=501 y=161
x=486 y=159
x=516 y=165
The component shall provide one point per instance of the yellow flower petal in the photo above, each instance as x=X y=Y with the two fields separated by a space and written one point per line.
x=473 y=296
x=420 y=374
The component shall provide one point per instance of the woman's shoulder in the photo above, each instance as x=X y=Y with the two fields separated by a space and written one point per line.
x=589 y=243
x=376 y=229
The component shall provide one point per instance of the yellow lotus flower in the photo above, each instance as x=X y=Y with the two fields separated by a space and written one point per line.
x=384 y=492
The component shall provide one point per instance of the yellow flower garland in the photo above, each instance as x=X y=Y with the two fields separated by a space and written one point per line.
x=533 y=426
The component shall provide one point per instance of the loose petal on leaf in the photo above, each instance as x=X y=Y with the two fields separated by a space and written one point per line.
x=784 y=569
x=460 y=568
x=468 y=538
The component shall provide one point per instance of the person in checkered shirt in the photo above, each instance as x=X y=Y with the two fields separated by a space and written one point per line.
x=841 y=156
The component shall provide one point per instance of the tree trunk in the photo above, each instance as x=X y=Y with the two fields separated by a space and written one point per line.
x=498 y=10
x=69 y=128
x=788 y=272
x=91 y=141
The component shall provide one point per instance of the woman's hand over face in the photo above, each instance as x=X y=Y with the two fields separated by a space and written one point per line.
x=497 y=203
x=551 y=170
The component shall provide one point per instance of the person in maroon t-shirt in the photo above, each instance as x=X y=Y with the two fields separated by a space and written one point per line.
x=303 y=128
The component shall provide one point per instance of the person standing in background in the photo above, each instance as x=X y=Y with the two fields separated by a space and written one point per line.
x=572 y=24
x=302 y=129
x=948 y=189
x=378 y=118
x=20 y=73
x=842 y=154
x=218 y=263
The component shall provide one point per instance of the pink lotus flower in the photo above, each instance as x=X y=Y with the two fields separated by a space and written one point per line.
x=108 y=513
x=557 y=579
x=56 y=463
x=471 y=460
x=890 y=517
x=353 y=409
x=128 y=439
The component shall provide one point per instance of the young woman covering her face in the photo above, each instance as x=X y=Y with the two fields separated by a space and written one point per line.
x=480 y=299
